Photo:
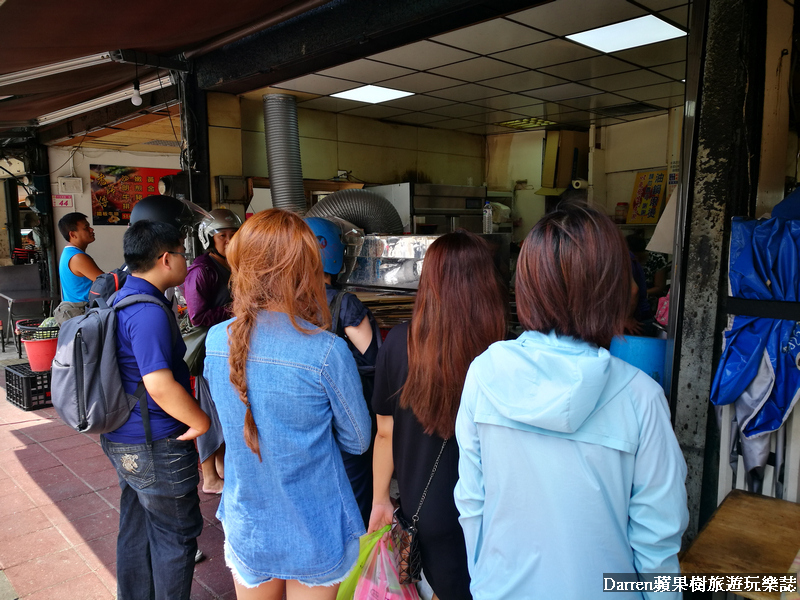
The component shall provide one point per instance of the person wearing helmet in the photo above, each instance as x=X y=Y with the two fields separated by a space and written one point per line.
x=354 y=322
x=166 y=209
x=208 y=300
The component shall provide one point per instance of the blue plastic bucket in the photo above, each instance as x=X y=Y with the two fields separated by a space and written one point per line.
x=646 y=353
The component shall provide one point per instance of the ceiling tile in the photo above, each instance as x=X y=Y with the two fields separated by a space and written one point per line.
x=317 y=84
x=477 y=69
x=497 y=116
x=528 y=80
x=656 y=91
x=606 y=121
x=548 y=110
x=655 y=54
x=563 y=92
x=661 y=4
x=624 y=81
x=597 y=66
x=417 y=118
x=454 y=124
x=465 y=93
x=570 y=16
x=422 y=55
x=420 y=83
x=547 y=53
x=331 y=104
x=509 y=101
x=678 y=15
x=418 y=102
x=487 y=129
x=575 y=117
x=676 y=70
x=671 y=102
x=659 y=102
x=677 y=101
x=600 y=101
x=641 y=116
x=457 y=110
x=492 y=36
x=376 y=111
x=366 y=71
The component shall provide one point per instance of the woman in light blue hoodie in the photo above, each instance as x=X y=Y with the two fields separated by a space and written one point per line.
x=568 y=465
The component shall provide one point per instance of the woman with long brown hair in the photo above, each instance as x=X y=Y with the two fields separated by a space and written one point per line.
x=289 y=399
x=459 y=311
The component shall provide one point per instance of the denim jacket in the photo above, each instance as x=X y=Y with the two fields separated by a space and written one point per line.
x=292 y=515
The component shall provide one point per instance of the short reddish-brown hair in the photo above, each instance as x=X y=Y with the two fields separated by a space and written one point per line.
x=574 y=276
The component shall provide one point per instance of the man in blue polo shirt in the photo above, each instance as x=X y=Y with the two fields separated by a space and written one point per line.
x=160 y=516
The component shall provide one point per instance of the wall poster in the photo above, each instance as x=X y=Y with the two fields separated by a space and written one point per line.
x=647 y=200
x=116 y=189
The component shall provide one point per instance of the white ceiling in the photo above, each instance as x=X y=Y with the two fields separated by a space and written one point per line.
x=515 y=67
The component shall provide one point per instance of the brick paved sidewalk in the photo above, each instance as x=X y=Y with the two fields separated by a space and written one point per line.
x=59 y=515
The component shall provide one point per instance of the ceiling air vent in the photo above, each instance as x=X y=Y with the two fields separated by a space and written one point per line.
x=525 y=124
x=170 y=143
x=621 y=110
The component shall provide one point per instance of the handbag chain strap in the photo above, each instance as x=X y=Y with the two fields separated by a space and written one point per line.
x=415 y=518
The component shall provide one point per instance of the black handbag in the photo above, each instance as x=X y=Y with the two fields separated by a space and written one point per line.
x=194 y=336
x=404 y=536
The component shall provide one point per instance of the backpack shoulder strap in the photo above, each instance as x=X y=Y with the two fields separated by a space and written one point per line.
x=147 y=298
x=336 y=308
x=141 y=392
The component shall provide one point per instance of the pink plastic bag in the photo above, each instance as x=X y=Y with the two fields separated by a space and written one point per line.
x=662 y=314
x=379 y=579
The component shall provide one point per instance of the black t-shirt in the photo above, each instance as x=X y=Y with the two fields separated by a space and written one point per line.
x=413 y=450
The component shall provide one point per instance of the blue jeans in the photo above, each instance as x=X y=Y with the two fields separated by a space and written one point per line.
x=159 y=518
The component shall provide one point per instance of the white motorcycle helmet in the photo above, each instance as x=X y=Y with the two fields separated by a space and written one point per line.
x=216 y=221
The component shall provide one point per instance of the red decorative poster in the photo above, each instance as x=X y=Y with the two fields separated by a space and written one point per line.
x=115 y=190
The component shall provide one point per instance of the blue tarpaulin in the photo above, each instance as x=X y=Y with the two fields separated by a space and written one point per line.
x=759 y=366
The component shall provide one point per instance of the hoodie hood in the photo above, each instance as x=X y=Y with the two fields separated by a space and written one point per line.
x=553 y=384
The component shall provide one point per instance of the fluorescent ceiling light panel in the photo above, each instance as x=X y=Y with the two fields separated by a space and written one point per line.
x=525 y=124
x=118 y=96
x=372 y=93
x=55 y=68
x=628 y=34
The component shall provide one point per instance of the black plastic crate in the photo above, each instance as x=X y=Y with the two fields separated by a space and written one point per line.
x=27 y=389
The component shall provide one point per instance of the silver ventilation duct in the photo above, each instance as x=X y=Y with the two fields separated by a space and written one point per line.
x=364 y=209
x=283 y=152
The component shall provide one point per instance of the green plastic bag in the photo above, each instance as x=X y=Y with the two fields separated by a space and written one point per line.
x=367 y=542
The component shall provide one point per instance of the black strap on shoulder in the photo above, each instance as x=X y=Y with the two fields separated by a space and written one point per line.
x=141 y=392
x=336 y=307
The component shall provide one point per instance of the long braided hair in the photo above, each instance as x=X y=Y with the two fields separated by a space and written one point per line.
x=275 y=266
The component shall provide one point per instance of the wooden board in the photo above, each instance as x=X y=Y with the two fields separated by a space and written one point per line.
x=748 y=533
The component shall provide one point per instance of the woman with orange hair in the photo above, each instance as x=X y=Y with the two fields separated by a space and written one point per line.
x=420 y=370
x=289 y=399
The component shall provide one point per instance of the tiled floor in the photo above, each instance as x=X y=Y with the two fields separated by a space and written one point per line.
x=59 y=513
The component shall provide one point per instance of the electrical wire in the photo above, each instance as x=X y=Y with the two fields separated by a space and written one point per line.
x=166 y=107
x=18 y=180
x=71 y=156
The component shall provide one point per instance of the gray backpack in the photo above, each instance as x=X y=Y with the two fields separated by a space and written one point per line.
x=86 y=386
